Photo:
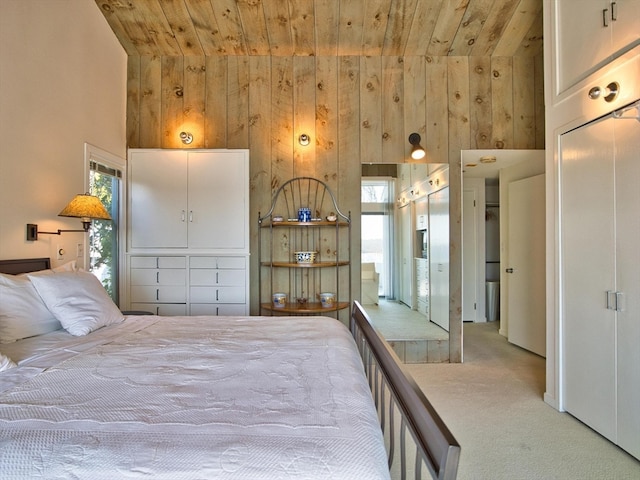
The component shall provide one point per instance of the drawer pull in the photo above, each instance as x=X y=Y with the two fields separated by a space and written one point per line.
x=157 y=277
x=157 y=294
x=217 y=295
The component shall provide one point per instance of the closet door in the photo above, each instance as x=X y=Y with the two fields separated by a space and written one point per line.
x=158 y=199
x=439 y=257
x=588 y=273
x=627 y=148
x=218 y=200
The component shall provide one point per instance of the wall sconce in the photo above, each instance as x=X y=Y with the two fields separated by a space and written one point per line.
x=186 y=137
x=304 y=139
x=417 y=152
x=83 y=206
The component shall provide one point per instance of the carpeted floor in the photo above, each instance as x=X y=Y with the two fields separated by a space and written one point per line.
x=493 y=405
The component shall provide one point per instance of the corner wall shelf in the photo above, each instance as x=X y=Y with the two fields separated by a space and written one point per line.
x=278 y=240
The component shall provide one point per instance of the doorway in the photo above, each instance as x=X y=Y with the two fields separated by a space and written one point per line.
x=491 y=172
x=394 y=225
x=377 y=237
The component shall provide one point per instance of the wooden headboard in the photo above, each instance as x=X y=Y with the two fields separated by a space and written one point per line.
x=24 y=265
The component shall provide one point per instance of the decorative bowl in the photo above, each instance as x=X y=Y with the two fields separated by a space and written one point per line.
x=305 y=257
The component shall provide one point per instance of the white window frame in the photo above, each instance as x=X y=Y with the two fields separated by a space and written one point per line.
x=96 y=154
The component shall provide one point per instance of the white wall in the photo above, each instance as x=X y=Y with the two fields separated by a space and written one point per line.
x=62 y=83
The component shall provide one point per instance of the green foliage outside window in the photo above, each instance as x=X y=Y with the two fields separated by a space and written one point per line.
x=103 y=255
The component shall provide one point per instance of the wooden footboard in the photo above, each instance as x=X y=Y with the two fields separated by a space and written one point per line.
x=396 y=394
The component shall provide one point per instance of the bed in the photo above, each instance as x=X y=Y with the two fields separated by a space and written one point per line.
x=143 y=396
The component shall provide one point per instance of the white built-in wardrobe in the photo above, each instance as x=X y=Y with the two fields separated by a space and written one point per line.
x=600 y=175
x=188 y=232
x=592 y=90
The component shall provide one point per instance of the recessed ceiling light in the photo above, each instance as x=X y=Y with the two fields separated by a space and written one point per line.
x=488 y=159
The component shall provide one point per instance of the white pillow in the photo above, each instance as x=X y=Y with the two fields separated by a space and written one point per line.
x=78 y=300
x=22 y=312
x=6 y=363
x=71 y=266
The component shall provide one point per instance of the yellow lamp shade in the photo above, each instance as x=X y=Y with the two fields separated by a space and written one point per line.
x=85 y=206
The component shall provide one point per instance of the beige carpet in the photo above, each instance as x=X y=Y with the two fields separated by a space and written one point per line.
x=493 y=405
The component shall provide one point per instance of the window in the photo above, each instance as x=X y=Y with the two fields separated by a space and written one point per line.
x=377 y=229
x=105 y=182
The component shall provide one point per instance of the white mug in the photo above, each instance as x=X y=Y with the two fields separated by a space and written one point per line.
x=279 y=299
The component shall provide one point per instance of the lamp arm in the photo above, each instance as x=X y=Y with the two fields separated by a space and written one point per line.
x=33 y=232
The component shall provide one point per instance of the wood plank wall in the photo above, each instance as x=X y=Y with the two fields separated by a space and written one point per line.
x=355 y=109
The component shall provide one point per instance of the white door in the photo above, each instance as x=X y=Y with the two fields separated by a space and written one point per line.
x=439 y=257
x=526 y=264
x=158 y=199
x=405 y=235
x=470 y=290
x=627 y=148
x=588 y=272
x=218 y=200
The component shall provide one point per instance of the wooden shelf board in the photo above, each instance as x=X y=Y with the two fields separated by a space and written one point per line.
x=319 y=223
x=312 y=307
x=305 y=265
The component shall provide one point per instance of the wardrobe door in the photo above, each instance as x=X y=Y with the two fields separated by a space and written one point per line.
x=218 y=200
x=158 y=199
x=627 y=148
x=588 y=273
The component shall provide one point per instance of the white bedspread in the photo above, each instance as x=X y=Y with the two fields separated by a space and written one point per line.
x=193 y=398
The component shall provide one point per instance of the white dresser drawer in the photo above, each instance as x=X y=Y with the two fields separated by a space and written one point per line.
x=158 y=276
x=214 y=277
x=167 y=309
x=218 y=262
x=217 y=294
x=160 y=294
x=158 y=262
x=218 y=309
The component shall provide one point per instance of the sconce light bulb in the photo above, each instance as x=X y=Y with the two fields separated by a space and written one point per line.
x=186 y=137
x=417 y=152
x=304 y=139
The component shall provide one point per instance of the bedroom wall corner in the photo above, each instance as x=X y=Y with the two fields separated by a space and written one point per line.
x=63 y=83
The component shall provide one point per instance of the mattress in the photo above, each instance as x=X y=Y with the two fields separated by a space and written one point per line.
x=191 y=398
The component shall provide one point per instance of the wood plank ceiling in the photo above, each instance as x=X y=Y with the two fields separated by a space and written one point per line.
x=326 y=27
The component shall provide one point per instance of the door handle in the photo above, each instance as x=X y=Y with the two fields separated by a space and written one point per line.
x=509 y=270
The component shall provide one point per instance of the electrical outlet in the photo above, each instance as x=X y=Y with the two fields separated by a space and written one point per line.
x=79 y=250
x=60 y=252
